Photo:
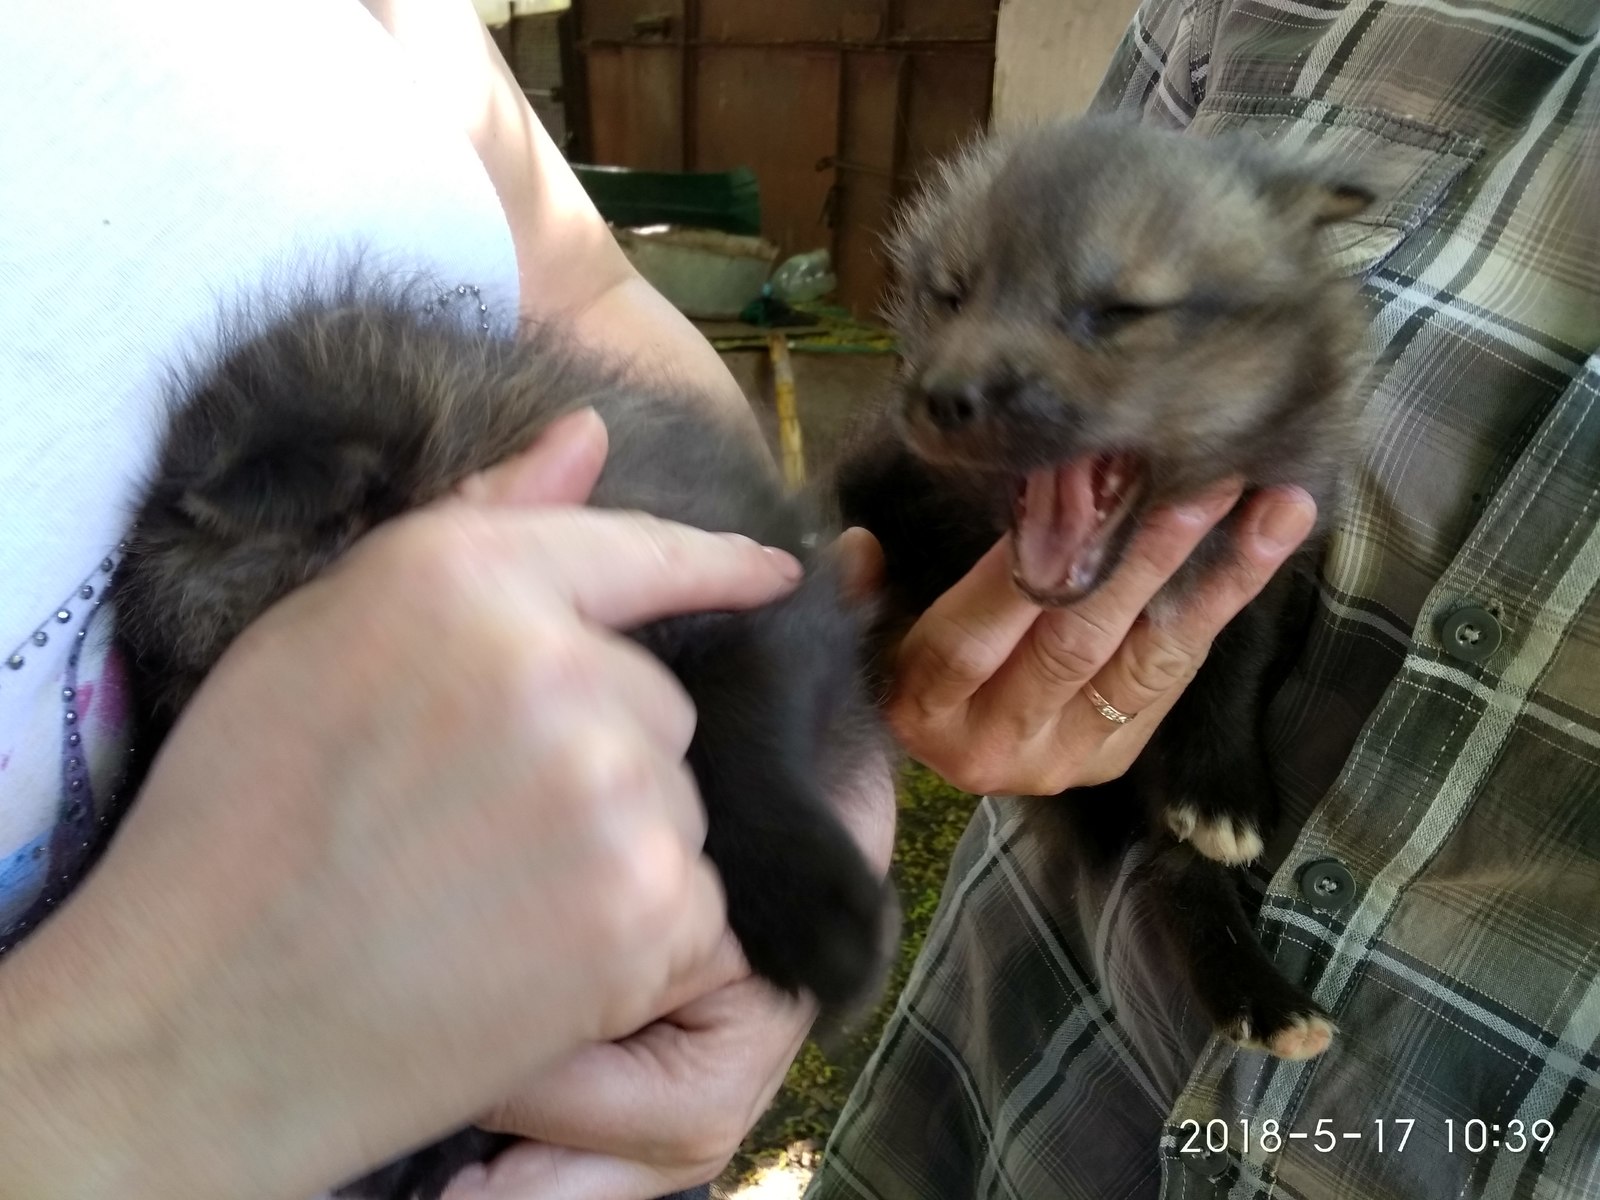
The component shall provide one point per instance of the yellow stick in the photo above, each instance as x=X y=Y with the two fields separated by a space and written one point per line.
x=794 y=454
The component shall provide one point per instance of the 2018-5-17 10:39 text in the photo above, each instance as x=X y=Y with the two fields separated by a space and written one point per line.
x=1389 y=1134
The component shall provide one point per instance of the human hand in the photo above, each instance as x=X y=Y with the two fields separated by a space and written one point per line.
x=376 y=876
x=989 y=687
x=666 y=1108
x=654 y=1113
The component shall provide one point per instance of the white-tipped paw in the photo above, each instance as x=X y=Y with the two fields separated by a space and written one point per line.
x=1220 y=838
x=1305 y=1036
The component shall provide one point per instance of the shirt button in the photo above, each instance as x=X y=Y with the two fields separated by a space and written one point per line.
x=1211 y=1165
x=1327 y=885
x=1470 y=634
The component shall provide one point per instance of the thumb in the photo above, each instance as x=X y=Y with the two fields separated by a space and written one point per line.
x=861 y=558
x=535 y=1171
x=560 y=467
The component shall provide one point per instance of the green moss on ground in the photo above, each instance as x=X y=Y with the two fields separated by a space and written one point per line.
x=932 y=817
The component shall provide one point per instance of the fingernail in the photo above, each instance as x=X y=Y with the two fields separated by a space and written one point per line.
x=782 y=561
x=576 y=428
x=1211 y=503
x=588 y=415
x=467 y=1180
x=854 y=543
x=788 y=565
x=1284 y=523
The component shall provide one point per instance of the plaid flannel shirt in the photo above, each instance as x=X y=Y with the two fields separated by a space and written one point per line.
x=1436 y=881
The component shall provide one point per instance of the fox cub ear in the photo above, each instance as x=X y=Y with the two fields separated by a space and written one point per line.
x=1316 y=190
x=1318 y=193
x=1326 y=200
x=287 y=487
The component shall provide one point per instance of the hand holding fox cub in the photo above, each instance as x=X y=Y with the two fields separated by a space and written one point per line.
x=990 y=689
x=430 y=774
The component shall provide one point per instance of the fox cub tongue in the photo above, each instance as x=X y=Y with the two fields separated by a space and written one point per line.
x=1064 y=519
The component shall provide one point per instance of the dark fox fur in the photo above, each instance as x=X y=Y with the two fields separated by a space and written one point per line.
x=1155 y=309
x=329 y=414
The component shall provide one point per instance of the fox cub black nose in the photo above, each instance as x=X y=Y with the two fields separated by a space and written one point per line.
x=953 y=403
x=952 y=406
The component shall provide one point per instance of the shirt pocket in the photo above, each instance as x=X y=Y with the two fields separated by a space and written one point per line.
x=1409 y=164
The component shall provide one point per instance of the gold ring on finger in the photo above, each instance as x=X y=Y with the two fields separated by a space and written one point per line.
x=1105 y=708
